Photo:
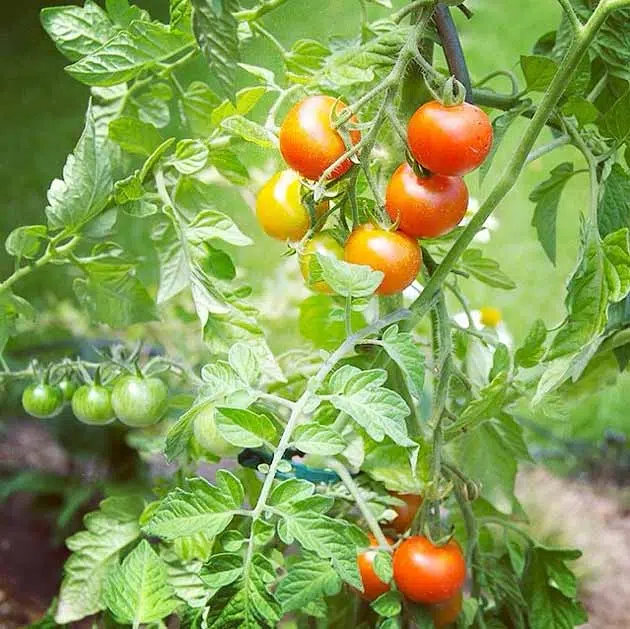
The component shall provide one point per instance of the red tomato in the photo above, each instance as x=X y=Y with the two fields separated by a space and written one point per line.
x=429 y=574
x=373 y=587
x=446 y=613
x=395 y=254
x=308 y=141
x=325 y=244
x=280 y=210
x=425 y=207
x=406 y=513
x=450 y=140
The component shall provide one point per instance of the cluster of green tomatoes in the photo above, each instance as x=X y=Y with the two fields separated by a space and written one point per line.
x=425 y=197
x=136 y=400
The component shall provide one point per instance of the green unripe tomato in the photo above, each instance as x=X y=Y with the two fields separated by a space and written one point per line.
x=42 y=400
x=139 y=401
x=209 y=437
x=68 y=388
x=92 y=404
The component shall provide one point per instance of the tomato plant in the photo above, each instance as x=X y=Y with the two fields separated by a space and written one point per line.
x=402 y=407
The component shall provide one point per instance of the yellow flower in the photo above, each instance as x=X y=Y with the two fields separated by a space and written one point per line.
x=490 y=317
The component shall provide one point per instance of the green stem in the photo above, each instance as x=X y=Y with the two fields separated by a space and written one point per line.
x=249 y=15
x=574 y=20
x=592 y=168
x=368 y=516
x=508 y=179
x=348 y=315
x=400 y=15
x=563 y=140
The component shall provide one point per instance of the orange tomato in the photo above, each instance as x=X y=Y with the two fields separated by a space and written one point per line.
x=308 y=141
x=406 y=513
x=446 y=613
x=450 y=140
x=425 y=207
x=395 y=254
x=373 y=587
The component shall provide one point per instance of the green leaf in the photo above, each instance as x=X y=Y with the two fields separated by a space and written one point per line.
x=25 y=241
x=244 y=428
x=86 y=185
x=138 y=591
x=614 y=208
x=486 y=270
x=77 y=31
x=500 y=361
x=248 y=602
x=203 y=507
x=388 y=605
x=245 y=363
x=617 y=254
x=123 y=14
x=309 y=579
x=222 y=569
x=112 y=294
x=197 y=105
x=229 y=166
x=539 y=71
x=615 y=123
x=402 y=349
x=322 y=321
x=383 y=567
x=180 y=12
x=216 y=31
x=213 y=225
x=393 y=466
x=546 y=196
x=380 y=411
x=488 y=405
x=190 y=156
x=95 y=554
x=533 y=348
x=184 y=577
x=349 y=280
x=290 y=491
x=316 y=439
x=128 y=53
x=12 y=308
x=329 y=538
x=135 y=136
x=246 y=100
x=249 y=131
x=581 y=109
x=305 y=58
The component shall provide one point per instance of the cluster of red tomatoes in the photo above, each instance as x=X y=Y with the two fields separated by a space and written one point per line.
x=423 y=572
x=135 y=400
x=446 y=142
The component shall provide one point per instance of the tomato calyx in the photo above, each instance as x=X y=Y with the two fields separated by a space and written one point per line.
x=453 y=92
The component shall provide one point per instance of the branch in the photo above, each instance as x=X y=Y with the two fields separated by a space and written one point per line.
x=574 y=20
x=510 y=176
x=249 y=15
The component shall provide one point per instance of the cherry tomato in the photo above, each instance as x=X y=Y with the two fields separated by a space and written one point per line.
x=450 y=140
x=209 y=437
x=308 y=141
x=426 y=573
x=42 y=400
x=490 y=317
x=373 y=587
x=92 y=404
x=68 y=388
x=139 y=401
x=426 y=207
x=446 y=613
x=325 y=244
x=280 y=210
x=394 y=253
x=406 y=513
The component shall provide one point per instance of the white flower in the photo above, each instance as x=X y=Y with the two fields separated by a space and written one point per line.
x=491 y=224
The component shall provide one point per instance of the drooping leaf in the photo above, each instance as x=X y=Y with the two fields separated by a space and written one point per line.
x=614 y=208
x=402 y=349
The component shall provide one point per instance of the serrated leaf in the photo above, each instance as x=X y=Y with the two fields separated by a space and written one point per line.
x=486 y=270
x=25 y=241
x=222 y=569
x=388 y=605
x=77 y=31
x=546 y=196
x=203 y=507
x=180 y=12
x=86 y=185
x=190 y=156
x=216 y=32
x=316 y=439
x=112 y=294
x=184 y=578
x=308 y=580
x=383 y=567
x=128 y=53
x=138 y=591
x=95 y=555
x=615 y=123
x=533 y=348
x=197 y=105
x=244 y=428
x=393 y=466
x=289 y=491
x=245 y=363
x=135 y=136
x=349 y=280
x=402 y=349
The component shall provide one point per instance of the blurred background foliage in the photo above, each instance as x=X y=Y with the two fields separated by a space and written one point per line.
x=42 y=116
